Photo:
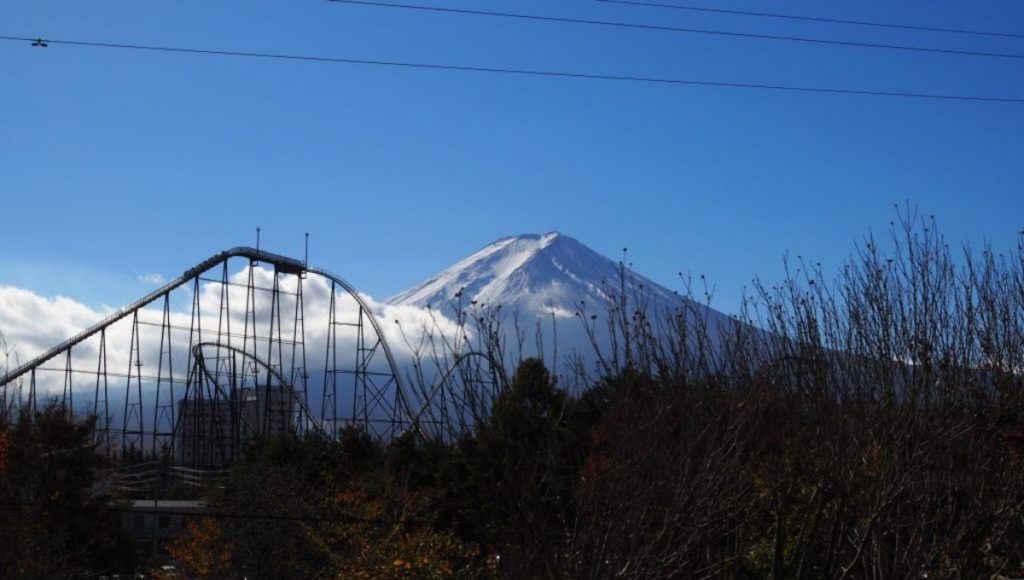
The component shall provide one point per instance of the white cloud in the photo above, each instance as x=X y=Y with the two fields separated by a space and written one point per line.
x=32 y=324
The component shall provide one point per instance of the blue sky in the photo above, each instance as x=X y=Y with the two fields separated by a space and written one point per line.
x=116 y=163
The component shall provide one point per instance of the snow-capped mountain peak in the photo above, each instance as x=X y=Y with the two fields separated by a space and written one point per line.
x=547 y=280
x=538 y=274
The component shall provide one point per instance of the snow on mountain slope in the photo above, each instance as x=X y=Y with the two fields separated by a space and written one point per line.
x=537 y=275
x=542 y=281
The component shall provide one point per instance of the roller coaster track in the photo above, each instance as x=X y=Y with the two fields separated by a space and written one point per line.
x=457 y=408
x=306 y=413
x=378 y=393
x=284 y=265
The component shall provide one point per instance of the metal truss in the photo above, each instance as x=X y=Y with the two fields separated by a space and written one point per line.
x=246 y=343
x=461 y=397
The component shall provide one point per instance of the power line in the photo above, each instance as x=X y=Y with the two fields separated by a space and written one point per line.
x=814 y=19
x=512 y=71
x=726 y=33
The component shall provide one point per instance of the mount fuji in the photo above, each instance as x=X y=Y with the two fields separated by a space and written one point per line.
x=544 y=279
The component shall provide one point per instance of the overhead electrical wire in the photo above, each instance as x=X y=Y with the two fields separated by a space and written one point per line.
x=705 y=31
x=504 y=71
x=814 y=18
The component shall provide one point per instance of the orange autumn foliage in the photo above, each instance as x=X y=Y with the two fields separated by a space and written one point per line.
x=203 y=548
